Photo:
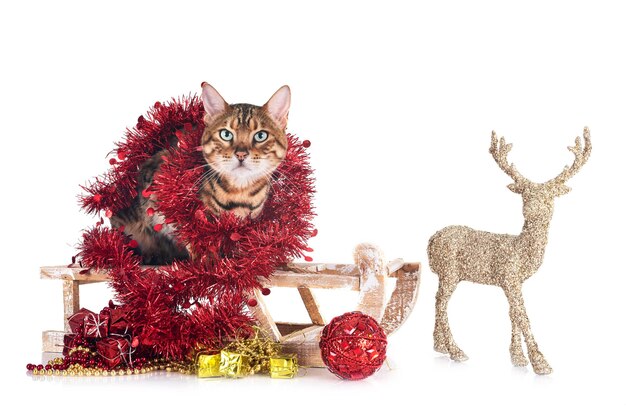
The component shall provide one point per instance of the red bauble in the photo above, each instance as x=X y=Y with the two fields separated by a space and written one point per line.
x=353 y=346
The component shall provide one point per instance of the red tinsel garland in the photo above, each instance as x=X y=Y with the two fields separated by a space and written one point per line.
x=175 y=308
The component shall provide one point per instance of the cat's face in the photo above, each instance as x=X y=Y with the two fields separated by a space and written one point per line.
x=244 y=143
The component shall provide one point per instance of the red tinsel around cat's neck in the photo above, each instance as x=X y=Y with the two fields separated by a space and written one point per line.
x=174 y=309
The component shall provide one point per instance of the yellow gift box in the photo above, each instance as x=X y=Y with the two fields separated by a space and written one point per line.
x=234 y=364
x=209 y=365
x=283 y=367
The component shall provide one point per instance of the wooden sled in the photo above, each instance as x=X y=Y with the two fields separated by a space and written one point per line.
x=368 y=275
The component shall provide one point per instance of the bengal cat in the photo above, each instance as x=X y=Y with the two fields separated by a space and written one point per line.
x=242 y=144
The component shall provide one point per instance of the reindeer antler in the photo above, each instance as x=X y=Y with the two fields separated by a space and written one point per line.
x=581 y=155
x=499 y=151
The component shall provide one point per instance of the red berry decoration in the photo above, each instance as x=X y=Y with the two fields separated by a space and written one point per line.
x=353 y=346
x=252 y=302
x=266 y=291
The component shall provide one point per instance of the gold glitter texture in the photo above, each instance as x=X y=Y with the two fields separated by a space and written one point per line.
x=234 y=364
x=283 y=367
x=208 y=365
x=459 y=253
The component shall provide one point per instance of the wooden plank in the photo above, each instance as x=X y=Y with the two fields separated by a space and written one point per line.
x=303 y=335
x=338 y=276
x=305 y=344
x=402 y=299
x=393 y=266
x=312 y=280
x=52 y=341
x=322 y=268
x=287 y=328
x=71 y=301
x=311 y=305
x=71 y=273
x=264 y=318
x=369 y=260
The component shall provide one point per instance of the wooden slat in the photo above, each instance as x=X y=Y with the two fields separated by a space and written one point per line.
x=52 y=341
x=311 y=305
x=264 y=318
x=322 y=268
x=337 y=276
x=373 y=275
x=402 y=299
x=312 y=280
x=303 y=335
x=71 y=301
x=71 y=273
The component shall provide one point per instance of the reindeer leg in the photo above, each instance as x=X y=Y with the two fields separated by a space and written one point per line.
x=444 y=342
x=517 y=354
x=519 y=317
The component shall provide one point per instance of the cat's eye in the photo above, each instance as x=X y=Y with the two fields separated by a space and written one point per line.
x=260 y=136
x=226 y=135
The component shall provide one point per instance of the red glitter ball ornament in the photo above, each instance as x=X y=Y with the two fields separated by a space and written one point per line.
x=353 y=346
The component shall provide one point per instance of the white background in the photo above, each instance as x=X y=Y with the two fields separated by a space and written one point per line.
x=398 y=100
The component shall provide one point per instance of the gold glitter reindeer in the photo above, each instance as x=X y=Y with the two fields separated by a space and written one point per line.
x=459 y=253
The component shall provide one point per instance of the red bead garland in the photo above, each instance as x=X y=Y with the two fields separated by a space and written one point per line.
x=353 y=346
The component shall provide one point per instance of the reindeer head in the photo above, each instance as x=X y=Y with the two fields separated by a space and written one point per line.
x=539 y=198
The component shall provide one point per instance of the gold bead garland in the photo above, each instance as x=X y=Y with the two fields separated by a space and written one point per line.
x=76 y=370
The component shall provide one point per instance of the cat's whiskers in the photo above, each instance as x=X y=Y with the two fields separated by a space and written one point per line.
x=288 y=185
x=197 y=168
x=207 y=176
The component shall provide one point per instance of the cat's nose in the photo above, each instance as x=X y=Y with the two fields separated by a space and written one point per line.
x=241 y=155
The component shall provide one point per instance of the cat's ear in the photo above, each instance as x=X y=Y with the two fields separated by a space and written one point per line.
x=278 y=106
x=214 y=103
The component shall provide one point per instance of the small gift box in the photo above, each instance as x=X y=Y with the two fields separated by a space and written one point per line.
x=209 y=364
x=114 y=350
x=96 y=325
x=283 y=367
x=77 y=319
x=234 y=364
x=118 y=322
